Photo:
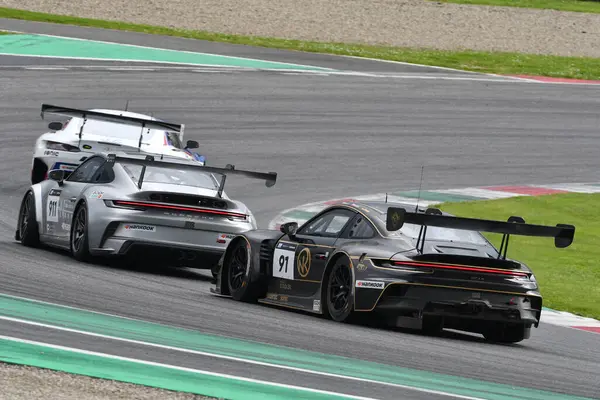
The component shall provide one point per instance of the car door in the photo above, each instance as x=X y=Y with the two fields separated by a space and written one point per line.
x=300 y=260
x=70 y=192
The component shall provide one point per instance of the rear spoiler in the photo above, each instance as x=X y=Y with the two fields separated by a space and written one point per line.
x=270 y=178
x=396 y=217
x=120 y=119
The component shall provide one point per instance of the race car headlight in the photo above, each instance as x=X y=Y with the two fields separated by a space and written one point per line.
x=61 y=146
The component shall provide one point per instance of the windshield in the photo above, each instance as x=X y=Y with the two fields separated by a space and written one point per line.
x=442 y=234
x=184 y=177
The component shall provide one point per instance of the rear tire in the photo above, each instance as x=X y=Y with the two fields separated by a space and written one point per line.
x=506 y=333
x=38 y=172
x=79 y=234
x=236 y=267
x=28 y=228
x=339 y=299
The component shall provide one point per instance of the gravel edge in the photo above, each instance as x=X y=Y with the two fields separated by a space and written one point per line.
x=27 y=383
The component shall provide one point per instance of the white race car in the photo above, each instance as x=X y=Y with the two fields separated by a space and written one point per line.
x=87 y=132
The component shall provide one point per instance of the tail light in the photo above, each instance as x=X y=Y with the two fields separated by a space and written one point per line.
x=143 y=206
x=61 y=146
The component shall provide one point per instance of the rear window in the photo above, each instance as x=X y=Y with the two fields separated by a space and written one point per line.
x=441 y=234
x=184 y=177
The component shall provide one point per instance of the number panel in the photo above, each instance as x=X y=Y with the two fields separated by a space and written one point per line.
x=284 y=260
x=52 y=206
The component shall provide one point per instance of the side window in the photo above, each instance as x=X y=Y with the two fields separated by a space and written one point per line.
x=103 y=175
x=361 y=228
x=329 y=224
x=86 y=170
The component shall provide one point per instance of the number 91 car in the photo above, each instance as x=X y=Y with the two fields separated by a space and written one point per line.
x=424 y=269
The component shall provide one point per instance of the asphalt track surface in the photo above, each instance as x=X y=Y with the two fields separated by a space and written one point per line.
x=326 y=136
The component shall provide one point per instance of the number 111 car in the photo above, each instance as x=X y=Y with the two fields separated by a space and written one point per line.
x=425 y=269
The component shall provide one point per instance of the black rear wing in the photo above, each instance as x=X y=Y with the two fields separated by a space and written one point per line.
x=120 y=119
x=100 y=116
x=270 y=178
x=396 y=217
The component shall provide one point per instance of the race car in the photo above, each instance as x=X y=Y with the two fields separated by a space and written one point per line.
x=419 y=270
x=167 y=210
x=98 y=130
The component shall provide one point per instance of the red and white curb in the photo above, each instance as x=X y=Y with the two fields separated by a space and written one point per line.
x=425 y=198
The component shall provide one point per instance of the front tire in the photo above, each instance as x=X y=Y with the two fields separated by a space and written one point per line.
x=79 y=234
x=237 y=266
x=339 y=299
x=28 y=228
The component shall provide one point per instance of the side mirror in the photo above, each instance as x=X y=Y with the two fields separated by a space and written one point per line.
x=192 y=144
x=55 y=126
x=57 y=175
x=289 y=228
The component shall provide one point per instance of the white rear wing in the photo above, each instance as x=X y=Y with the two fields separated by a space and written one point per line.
x=107 y=117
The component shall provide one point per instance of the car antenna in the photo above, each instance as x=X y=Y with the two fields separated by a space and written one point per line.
x=386 y=198
x=420 y=184
x=127 y=105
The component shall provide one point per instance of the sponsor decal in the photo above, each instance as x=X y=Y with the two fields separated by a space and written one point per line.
x=285 y=286
x=65 y=227
x=87 y=146
x=272 y=296
x=476 y=295
x=303 y=262
x=140 y=227
x=370 y=285
x=225 y=237
x=361 y=266
x=316 y=305
x=96 y=194
x=283 y=298
x=51 y=153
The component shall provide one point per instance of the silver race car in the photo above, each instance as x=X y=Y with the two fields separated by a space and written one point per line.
x=163 y=208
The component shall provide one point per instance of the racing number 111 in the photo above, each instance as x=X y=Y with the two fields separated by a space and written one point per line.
x=283 y=260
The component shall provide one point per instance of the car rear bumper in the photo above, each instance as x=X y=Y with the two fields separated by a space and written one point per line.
x=459 y=306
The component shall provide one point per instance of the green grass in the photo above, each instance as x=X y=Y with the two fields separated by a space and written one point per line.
x=6 y=33
x=586 y=6
x=499 y=63
x=569 y=278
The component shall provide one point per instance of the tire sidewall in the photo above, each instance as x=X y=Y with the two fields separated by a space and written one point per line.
x=31 y=237
x=328 y=310
x=241 y=293
x=83 y=253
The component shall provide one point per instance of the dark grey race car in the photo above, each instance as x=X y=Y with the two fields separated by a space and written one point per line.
x=424 y=270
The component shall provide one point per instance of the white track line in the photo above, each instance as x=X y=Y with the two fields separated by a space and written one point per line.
x=236 y=359
x=175 y=51
x=174 y=367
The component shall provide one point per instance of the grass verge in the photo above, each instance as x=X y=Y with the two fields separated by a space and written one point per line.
x=586 y=6
x=477 y=61
x=569 y=278
x=5 y=33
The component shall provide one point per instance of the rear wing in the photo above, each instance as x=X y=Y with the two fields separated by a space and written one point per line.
x=396 y=217
x=270 y=178
x=119 y=119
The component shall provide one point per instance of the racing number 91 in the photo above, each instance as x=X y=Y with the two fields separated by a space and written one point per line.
x=283 y=261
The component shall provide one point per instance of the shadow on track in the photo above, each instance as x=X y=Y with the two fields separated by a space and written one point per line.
x=126 y=264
